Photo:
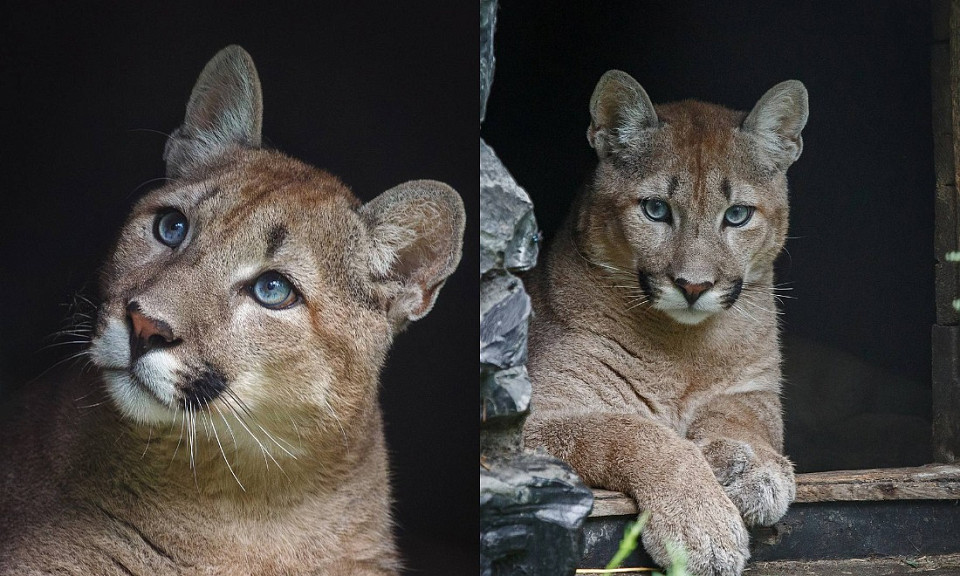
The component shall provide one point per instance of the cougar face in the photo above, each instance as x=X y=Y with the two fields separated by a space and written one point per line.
x=690 y=198
x=231 y=290
x=253 y=282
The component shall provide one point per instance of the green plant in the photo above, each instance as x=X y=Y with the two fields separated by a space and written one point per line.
x=954 y=257
x=630 y=541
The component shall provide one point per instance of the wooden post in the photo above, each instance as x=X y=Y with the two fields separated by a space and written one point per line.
x=945 y=72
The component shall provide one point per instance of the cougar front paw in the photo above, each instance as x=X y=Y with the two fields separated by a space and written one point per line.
x=759 y=482
x=709 y=530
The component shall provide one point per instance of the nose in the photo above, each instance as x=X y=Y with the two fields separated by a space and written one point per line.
x=147 y=333
x=692 y=291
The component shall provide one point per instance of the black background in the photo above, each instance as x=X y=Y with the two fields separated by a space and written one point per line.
x=375 y=92
x=860 y=258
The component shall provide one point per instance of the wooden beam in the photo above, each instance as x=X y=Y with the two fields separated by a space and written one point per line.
x=945 y=565
x=933 y=482
x=945 y=76
x=607 y=503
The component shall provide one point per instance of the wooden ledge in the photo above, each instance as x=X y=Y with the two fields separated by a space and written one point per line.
x=942 y=565
x=931 y=482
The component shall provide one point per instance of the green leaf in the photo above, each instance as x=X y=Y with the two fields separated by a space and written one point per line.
x=629 y=542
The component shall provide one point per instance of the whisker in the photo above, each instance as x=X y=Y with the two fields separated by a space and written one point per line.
x=737 y=307
x=150 y=181
x=266 y=453
x=152 y=131
x=224 y=454
x=203 y=421
x=255 y=421
x=297 y=429
x=243 y=405
x=640 y=303
x=275 y=441
x=69 y=343
x=147 y=447
x=755 y=305
x=336 y=419
x=191 y=433
x=183 y=421
x=229 y=429
x=88 y=406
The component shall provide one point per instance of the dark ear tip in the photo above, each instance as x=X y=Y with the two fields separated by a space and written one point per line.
x=232 y=52
x=794 y=88
x=422 y=192
x=614 y=75
x=612 y=79
x=794 y=85
x=233 y=49
x=442 y=194
x=232 y=59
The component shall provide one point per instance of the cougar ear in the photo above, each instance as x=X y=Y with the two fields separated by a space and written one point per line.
x=416 y=230
x=620 y=112
x=777 y=120
x=225 y=111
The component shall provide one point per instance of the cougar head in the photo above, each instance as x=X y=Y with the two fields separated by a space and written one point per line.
x=252 y=282
x=689 y=198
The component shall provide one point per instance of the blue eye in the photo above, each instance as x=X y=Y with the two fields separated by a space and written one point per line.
x=273 y=290
x=170 y=227
x=737 y=215
x=656 y=209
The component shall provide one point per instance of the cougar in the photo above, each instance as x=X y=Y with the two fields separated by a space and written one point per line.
x=230 y=423
x=654 y=351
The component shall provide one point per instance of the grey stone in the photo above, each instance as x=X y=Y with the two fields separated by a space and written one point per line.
x=504 y=395
x=504 y=314
x=501 y=441
x=509 y=237
x=532 y=510
x=504 y=405
x=532 y=506
x=488 y=21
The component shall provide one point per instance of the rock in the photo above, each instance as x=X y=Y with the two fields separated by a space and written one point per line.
x=488 y=21
x=509 y=237
x=504 y=314
x=504 y=405
x=504 y=395
x=532 y=510
x=532 y=506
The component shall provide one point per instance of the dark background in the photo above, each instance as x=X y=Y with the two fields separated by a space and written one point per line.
x=860 y=256
x=375 y=92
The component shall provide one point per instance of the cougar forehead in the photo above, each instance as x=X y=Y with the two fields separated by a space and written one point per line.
x=257 y=211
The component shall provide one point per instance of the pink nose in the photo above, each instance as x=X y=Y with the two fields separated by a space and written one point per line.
x=147 y=333
x=690 y=290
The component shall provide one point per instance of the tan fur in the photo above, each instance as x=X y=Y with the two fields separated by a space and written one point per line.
x=285 y=471
x=678 y=407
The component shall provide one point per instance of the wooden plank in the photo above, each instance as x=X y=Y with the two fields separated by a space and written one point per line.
x=946 y=278
x=933 y=482
x=948 y=207
x=945 y=76
x=607 y=503
x=948 y=564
